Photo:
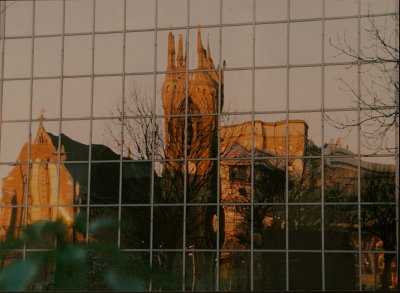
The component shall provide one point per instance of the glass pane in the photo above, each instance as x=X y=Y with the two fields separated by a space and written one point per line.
x=77 y=91
x=13 y=139
x=271 y=10
x=170 y=265
x=305 y=35
x=78 y=16
x=340 y=7
x=163 y=39
x=46 y=98
x=304 y=227
x=109 y=15
x=234 y=271
x=15 y=94
x=48 y=17
x=270 y=137
x=172 y=13
x=237 y=46
x=136 y=182
x=169 y=184
x=19 y=18
x=138 y=138
x=77 y=55
x=340 y=131
x=235 y=179
x=341 y=182
x=47 y=56
x=234 y=11
x=201 y=182
x=104 y=183
x=341 y=271
x=139 y=96
x=237 y=227
x=139 y=52
x=269 y=271
x=168 y=227
x=106 y=139
x=107 y=99
x=270 y=89
x=305 y=134
x=340 y=35
x=75 y=139
x=305 y=271
x=339 y=82
x=269 y=227
x=269 y=180
x=79 y=174
x=49 y=137
x=200 y=271
x=305 y=88
x=106 y=218
x=304 y=180
x=209 y=41
x=135 y=227
x=305 y=9
x=17 y=58
x=378 y=229
x=201 y=228
x=138 y=12
x=378 y=181
x=271 y=41
x=341 y=227
x=204 y=12
x=108 y=53
x=235 y=136
x=237 y=91
x=379 y=272
x=377 y=6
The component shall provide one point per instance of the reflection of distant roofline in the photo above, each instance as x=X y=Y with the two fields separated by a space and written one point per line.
x=280 y=122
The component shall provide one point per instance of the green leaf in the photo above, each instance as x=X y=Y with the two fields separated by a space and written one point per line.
x=119 y=282
x=18 y=275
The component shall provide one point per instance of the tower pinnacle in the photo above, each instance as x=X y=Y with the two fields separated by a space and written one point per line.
x=179 y=56
x=171 y=51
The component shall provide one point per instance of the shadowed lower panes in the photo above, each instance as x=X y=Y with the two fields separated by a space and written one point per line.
x=136 y=182
x=305 y=271
x=269 y=271
x=135 y=227
x=341 y=272
x=269 y=227
x=304 y=227
x=341 y=227
x=200 y=271
x=168 y=227
x=234 y=271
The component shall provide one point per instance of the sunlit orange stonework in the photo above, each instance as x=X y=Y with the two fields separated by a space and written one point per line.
x=204 y=92
x=49 y=194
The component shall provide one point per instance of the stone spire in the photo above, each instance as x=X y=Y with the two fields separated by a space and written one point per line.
x=171 y=51
x=179 y=56
x=42 y=136
x=201 y=56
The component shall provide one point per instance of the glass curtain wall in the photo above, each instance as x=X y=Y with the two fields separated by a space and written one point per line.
x=227 y=145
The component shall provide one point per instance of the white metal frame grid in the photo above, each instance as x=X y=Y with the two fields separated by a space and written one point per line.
x=124 y=73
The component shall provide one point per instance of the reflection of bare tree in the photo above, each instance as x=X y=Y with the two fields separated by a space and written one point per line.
x=379 y=220
x=379 y=99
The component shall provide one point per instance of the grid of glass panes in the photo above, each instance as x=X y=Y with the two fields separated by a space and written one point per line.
x=97 y=68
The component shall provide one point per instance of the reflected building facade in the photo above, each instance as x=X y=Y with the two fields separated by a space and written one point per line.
x=250 y=199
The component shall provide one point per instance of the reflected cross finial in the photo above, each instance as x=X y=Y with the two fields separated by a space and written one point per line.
x=42 y=111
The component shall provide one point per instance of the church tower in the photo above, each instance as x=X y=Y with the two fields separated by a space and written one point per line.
x=194 y=94
x=49 y=193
